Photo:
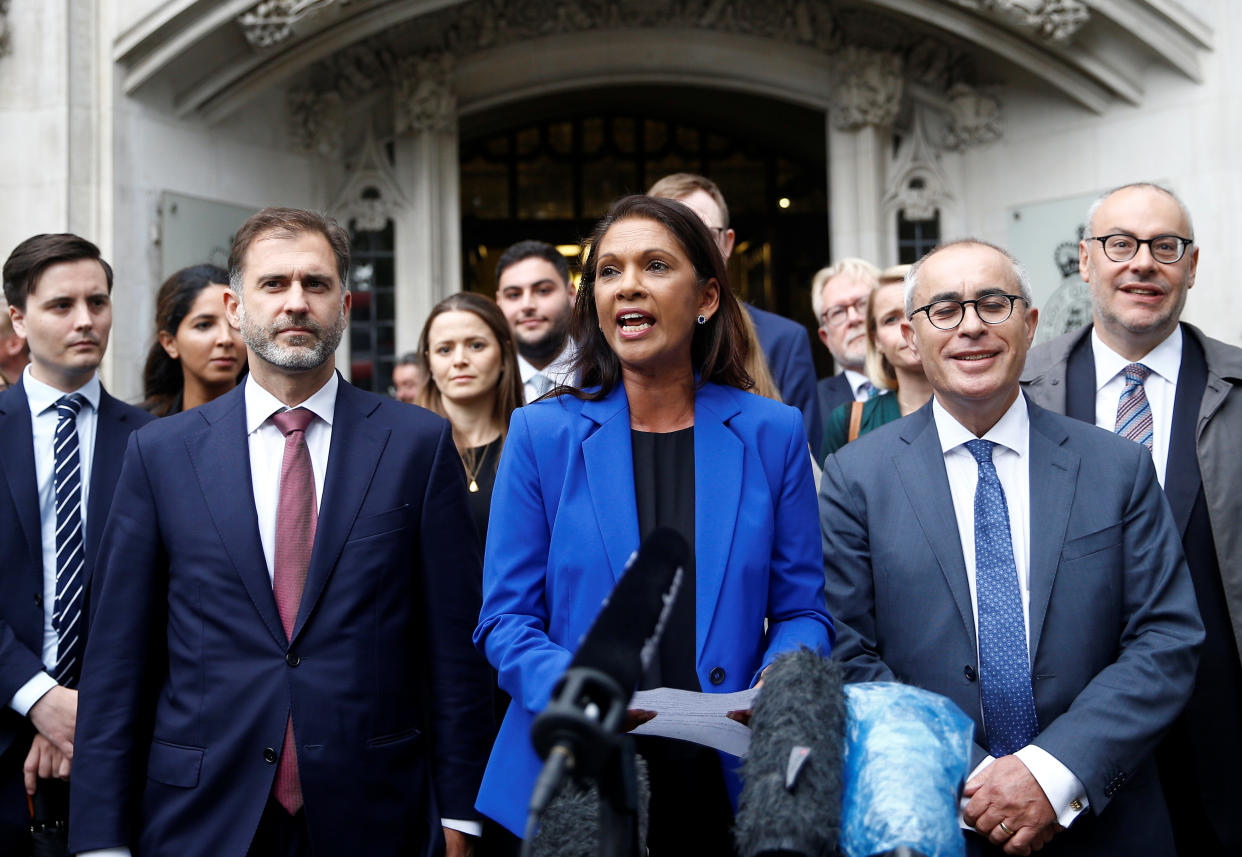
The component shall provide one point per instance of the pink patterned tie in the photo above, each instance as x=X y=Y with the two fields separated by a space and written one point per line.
x=296 y=517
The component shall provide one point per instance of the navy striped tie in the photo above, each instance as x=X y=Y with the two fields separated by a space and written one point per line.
x=1133 y=410
x=70 y=548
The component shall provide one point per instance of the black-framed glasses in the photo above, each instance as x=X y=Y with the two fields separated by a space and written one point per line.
x=835 y=316
x=947 y=314
x=1165 y=249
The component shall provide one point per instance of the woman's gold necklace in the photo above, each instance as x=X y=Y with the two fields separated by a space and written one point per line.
x=472 y=462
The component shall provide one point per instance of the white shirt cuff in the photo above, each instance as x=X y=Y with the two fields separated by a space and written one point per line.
x=1063 y=790
x=106 y=852
x=470 y=828
x=31 y=692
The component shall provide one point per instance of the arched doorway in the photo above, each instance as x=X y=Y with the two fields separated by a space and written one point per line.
x=548 y=168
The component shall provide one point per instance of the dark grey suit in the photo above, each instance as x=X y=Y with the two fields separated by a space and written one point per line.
x=1114 y=630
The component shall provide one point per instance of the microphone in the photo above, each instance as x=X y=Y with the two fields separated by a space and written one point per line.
x=793 y=774
x=577 y=732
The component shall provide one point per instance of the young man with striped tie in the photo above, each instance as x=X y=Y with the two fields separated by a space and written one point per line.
x=1141 y=372
x=61 y=442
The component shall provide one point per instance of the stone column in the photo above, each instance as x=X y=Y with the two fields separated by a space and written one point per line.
x=428 y=228
x=865 y=99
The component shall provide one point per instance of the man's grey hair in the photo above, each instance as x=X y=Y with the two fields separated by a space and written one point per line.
x=852 y=267
x=1099 y=200
x=1019 y=272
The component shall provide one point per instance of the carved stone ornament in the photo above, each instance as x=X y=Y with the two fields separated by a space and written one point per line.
x=371 y=195
x=425 y=100
x=973 y=118
x=866 y=87
x=1055 y=20
x=316 y=123
x=917 y=185
x=271 y=22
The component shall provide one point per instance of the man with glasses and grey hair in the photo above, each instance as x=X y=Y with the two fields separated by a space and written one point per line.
x=839 y=299
x=1140 y=371
x=1020 y=563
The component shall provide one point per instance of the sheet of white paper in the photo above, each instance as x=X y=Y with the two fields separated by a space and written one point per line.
x=696 y=717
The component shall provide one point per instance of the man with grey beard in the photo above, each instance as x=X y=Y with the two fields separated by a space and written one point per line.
x=288 y=584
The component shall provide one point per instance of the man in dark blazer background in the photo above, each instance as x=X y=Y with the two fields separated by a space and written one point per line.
x=1022 y=564
x=58 y=294
x=786 y=346
x=839 y=299
x=281 y=661
x=1192 y=391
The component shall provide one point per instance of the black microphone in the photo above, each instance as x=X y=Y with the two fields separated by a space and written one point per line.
x=793 y=773
x=578 y=730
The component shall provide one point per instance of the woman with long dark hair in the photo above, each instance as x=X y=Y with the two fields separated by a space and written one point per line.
x=196 y=356
x=662 y=433
x=473 y=381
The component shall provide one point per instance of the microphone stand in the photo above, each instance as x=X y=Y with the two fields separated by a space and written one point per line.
x=618 y=802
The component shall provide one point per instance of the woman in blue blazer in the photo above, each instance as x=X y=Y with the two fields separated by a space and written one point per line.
x=663 y=433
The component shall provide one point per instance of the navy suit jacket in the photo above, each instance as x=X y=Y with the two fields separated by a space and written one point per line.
x=831 y=392
x=1114 y=629
x=565 y=520
x=190 y=679
x=21 y=540
x=787 y=348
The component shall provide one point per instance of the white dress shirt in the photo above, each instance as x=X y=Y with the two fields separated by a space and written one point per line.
x=1011 y=457
x=43 y=420
x=860 y=385
x=559 y=371
x=1165 y=363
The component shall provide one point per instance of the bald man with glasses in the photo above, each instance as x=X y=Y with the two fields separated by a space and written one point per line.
x=1142 y=372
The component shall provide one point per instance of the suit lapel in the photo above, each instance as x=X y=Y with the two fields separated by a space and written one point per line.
x=352 y=458
x=220 y=455
x=1181 y=473
x=609 y=457
x=112 y=431
x=1080 y=381
x=717 y=493
x=1053 y=478
x=920 y=466
x=17 y=455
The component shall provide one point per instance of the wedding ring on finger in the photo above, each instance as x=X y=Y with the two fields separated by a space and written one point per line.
x=1005 y=827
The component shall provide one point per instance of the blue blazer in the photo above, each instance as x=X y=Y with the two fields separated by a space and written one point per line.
x=21 y=545
x=1114 y=628
x=564 y=521
x=190 y=678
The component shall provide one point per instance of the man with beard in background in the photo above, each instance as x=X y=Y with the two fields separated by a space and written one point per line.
x=534 y=292
x=287 y=590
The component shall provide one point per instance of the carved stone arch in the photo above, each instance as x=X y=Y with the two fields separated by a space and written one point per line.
x=371 y=195
x=917 y=185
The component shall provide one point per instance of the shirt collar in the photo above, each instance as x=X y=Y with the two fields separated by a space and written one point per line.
x=1011 y=431
x=856 y=379
x=260 y=404
x=558 y=366
x=40 y=396
x=1165 y=359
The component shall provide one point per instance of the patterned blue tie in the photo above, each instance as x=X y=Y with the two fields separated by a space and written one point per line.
x=1004 y=670
x=1133 y=410
x=70 y=548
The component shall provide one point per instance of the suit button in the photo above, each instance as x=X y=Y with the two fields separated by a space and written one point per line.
x=269 y=755
x=292 y=659
x=717 y=675
x=38 y=599
x=970 y=673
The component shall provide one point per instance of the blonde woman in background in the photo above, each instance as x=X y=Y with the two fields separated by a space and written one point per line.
x=890 y=365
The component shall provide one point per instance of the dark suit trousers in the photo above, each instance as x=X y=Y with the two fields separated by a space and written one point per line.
x=280 y=834
x=14 y=814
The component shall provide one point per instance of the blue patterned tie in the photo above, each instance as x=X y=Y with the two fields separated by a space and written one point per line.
x=1004 y=669
x=1133 y=410
x=70 y=548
